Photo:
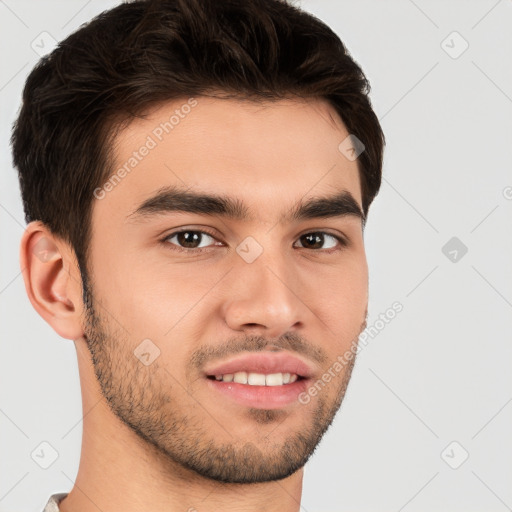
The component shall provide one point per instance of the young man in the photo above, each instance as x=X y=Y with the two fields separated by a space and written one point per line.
x=196 y=176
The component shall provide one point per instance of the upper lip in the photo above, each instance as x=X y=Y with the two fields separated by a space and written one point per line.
x=267 y=363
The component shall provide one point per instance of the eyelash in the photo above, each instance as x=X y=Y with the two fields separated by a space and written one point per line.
x=343 y=243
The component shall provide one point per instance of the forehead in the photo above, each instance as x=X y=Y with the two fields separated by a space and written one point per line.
x=268 y=154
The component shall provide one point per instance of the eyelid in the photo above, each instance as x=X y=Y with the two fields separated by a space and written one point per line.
x=340 y=236
x=202 y=230
x=196 y=229
x=342 y=239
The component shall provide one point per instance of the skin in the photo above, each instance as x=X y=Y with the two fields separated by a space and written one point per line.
x=155 y=436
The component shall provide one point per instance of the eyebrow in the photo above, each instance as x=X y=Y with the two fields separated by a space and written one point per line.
x=174 y=199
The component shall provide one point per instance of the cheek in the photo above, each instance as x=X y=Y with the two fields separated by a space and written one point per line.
x=344 y=299
x=154 y=299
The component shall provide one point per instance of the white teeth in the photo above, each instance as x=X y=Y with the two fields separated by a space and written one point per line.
x=240 y=377
x=274 y=379
x=258 y=379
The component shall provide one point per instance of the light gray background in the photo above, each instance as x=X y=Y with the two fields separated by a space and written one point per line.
x=441 y=370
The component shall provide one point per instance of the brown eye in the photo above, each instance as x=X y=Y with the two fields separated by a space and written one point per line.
x=317 y=239
x=188 y=240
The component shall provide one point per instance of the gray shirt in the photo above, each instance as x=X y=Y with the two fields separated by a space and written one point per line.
x=53 y=502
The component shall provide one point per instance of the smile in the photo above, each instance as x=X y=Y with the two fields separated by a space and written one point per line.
x=257 y=379
x=263 y=380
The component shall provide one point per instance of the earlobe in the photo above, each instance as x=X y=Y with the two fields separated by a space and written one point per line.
x=53 y=290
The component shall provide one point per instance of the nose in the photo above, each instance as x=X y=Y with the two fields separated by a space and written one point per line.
x=264 y=298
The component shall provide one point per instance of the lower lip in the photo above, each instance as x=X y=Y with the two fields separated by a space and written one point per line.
x=261 y=397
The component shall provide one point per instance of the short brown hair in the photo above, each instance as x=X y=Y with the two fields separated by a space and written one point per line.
x=141 y=53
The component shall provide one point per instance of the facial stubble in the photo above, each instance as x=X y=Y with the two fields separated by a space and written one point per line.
x=145 y=399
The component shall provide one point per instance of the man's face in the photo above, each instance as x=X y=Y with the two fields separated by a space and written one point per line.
x=268 y=294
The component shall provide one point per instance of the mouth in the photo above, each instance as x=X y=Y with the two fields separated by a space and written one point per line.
x=262 y=380
x=258 y=379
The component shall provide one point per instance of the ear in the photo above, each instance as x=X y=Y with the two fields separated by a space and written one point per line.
x=52 y=279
